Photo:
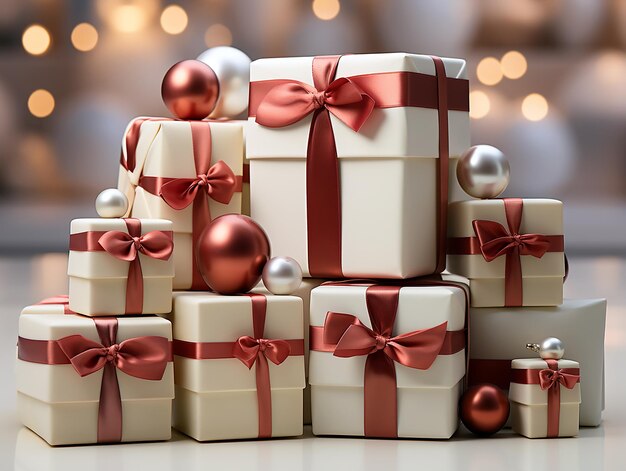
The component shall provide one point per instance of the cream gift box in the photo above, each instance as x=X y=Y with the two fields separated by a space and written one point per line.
x=120 y=266
x=218 y=397
x=121 y=391
x=327 y=204
x=545 y=397
x=416 y=400
x=188 y=172
x=499 y=335
x=484 y=246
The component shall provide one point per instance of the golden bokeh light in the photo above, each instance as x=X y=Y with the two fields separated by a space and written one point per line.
x=84 y=37
x=489 y=71
x=36 y=40
x=218 y=35
x=535 y=107
x=480 y=105
x=174 y=19
x=41 y=103
x=514 y=65
x=128 y=18
x=326 y=9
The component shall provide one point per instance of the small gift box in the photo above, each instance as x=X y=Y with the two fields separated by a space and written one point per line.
x=545 y=397
x=120 y=266
x=239 y=365
x=342 y=147
x=511 y=250
x=499 y=335
x=387 y=361
x=95 y=380
x=188 y=172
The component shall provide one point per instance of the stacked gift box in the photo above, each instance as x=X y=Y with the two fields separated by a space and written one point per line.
x=349 y=165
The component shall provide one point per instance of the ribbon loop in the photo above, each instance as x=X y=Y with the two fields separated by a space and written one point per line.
x=247 y=350
x=553 y=378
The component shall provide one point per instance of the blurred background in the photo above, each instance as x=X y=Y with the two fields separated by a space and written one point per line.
x=548 y=81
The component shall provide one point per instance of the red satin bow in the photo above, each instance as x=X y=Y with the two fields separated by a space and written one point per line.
x=123 y=246
x=247 y=349
x=219 y=183
x=549 y=378
x=417 y=349
x=141 y=357
x=290 y=102
x=496 y=241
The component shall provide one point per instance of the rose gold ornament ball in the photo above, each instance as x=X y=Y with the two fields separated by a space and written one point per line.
x=232 y=252
x=484 y=409
x=190 y=89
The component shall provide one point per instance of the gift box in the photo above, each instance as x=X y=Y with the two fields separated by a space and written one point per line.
x=120 y=266
x=342 y=149
x=95 y=380
x=511 y=250
x=387 y=361
x=499 y=335
x=188 y=172
x=239 y=363
x=545 y=397
x=54 y=305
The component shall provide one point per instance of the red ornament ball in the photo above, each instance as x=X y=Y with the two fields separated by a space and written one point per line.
x=484 y=409
x=190 y=89
x=232 y=252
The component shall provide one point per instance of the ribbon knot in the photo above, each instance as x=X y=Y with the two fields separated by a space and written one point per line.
x=549 y=378
x=248 y=349
x=381 y=342
x=496 y=241
x=111 y=353
x=123 y=246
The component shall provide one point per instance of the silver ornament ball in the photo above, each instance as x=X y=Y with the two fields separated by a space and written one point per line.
x=282 y=275
x=551 y=349
x=111 y=203
x=483 y=171
x=232 y=68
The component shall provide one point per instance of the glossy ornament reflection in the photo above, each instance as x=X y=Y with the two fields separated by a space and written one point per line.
x=190 y=90
x=484 y=409
x=232 y=252
x=483 y=171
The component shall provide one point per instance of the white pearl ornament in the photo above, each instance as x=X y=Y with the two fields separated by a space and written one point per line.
x=111 y=203
x=483 y=171
x=550 y=349
x=282 y=275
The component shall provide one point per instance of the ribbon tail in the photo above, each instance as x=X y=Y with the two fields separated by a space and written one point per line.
x=110 y=407
x=264 y=397
x=134 y=288
x=513 y=289
x=554 y=410
x=381 y=402
x=201 y=218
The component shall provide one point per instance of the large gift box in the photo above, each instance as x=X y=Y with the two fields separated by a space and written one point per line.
x=387 y=361
x=511 y=250
x=120 y=266
x=545 y=397
x=95 y=380
x=499 y=335
x=188 y=172
x=239 y=365
x=342 y=149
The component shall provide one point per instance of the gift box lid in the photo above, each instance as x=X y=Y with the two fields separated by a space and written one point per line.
x=202 y=317
x=539 y=216
x=387 y=132
x=418 y=308
x=100 y=264
x=532 y=394
x=61 y=383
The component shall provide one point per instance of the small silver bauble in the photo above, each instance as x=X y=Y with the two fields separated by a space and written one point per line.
x=111 y=203
x=550 y=349
x=282 y=275
x=232 y=68
x=483 y=171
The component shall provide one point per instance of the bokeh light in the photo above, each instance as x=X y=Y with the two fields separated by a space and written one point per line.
x=41 y=103
x=128 y=18
x=480 y=105
x=174 y=19
x=326 y=9
x=535 y=107
x=36 y=40
x=489 y=71
x=513 y=65
x=84 y=37
x=218 y=35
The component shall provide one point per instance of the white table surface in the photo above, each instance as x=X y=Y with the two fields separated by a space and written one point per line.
x=26 y=280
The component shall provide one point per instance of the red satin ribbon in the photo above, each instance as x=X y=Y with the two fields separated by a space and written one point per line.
x=142 y=357
x=550 y=379
x=497 y=372
x=349 y=337
x=61 y=299
x=493 y=240
x=127 y=247
x=277 y=103
x=251 y=351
